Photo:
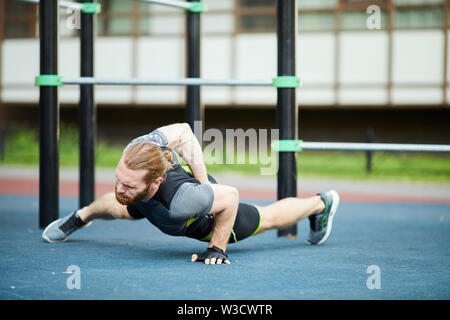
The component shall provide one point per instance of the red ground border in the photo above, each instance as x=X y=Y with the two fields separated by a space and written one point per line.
x=70 y=189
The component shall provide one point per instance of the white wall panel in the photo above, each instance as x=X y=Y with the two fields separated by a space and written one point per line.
x=159 y=95
x=216 y=57
x=363 y=57
x=425 y=96
x=315 y=56
x=255 y=95
x=20 y=61
x=113 y=60
x=113 y=57
x=256 y=56
x=160 y=57
x=21 y=95
x=69 y=57
x=418 y=56
x=216 y=63
x=315 y=96
x=362 y=96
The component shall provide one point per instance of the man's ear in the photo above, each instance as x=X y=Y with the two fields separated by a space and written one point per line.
x=157 y=181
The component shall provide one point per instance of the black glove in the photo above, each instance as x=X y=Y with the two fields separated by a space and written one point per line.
x=211 y=253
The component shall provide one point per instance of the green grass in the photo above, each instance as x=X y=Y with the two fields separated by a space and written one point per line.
x=22 y=149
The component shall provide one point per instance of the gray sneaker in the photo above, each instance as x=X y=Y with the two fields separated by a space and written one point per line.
x=321 y=223
x=59 y=230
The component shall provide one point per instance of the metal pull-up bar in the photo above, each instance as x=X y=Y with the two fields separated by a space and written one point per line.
x=278 y=82
x=168 y=82
x=299 y=145
x=171 y=3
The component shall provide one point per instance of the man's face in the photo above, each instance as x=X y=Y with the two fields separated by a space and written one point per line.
x=130 y=185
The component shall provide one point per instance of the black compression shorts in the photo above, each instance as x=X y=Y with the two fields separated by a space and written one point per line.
x=247 y=223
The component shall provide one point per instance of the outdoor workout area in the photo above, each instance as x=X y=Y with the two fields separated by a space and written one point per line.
x=394 y=247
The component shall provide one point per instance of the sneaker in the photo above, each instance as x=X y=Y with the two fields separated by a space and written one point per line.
x=321 y=223
x=59 y=230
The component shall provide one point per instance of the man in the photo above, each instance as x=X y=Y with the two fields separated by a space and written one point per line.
x=150 y=183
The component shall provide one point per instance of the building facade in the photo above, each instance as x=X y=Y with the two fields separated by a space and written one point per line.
x=351 y=53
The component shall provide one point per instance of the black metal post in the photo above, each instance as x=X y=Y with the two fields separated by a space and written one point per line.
x=370 y=139
x=286 y=103
x=48 y=115
x=87 y=112
x=194 y=110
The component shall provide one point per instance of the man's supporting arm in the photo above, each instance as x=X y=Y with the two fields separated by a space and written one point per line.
x=225 y=206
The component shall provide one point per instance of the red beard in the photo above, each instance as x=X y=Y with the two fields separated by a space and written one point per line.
x=127 y=200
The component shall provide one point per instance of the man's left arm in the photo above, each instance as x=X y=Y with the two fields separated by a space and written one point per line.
x=181 y=139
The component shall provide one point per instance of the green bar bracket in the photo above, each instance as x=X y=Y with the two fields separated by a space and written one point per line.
x=93 y=8
x=48 y=80
x=287 y=145
x=197 y=6
x=286 y=82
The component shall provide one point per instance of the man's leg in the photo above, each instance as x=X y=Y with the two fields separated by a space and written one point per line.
x=319 y=209
x=288 y=211
x=106 y=207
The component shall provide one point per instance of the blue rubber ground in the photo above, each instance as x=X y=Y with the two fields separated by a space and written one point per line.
x=133 y=260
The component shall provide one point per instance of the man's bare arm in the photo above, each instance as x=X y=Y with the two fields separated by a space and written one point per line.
x=181 y=139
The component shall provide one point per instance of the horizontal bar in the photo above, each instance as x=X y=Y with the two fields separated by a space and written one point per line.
x=170 y=3
x=168 y=82
x=62 y=4
x=331 y=146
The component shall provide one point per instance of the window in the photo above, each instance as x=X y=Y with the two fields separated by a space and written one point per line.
x=357 y=20
x=418 y=18
x=317 y=4
x=256 y=15
x=120 y=17
x=115 y=18
x=317 y=15
x=417 y=1
x=257 y=3
x=20 y=19
x=316 y=21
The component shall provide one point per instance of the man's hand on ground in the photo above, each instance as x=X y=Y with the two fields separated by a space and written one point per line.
x=212 y=255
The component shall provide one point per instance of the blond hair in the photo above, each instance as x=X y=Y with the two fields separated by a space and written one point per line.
x=148 y=156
